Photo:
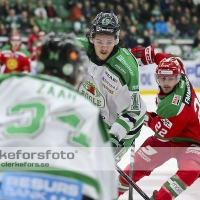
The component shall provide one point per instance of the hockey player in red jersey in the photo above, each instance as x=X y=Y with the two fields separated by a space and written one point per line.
x=176 y=126
x=14 y=57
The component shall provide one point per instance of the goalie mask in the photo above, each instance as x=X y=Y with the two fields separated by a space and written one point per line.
x=62 y=54
x=105 y=23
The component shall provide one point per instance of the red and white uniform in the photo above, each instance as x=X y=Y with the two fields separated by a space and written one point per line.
x=15 y=60
x=177 y=135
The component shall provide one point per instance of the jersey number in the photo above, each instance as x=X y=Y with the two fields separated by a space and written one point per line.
x=34 y=125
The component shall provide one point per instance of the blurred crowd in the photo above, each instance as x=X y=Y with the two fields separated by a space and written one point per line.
x=149 y=20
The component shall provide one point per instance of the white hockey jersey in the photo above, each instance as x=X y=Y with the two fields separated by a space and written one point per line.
x=39 y=111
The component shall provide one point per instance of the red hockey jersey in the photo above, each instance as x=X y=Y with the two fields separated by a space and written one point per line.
x=15 y=61
x=178 y=113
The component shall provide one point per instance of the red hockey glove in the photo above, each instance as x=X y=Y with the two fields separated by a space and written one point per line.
x=148 y=117
x=145 y=56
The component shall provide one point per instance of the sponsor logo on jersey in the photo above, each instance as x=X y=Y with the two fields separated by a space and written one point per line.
x=107 y=88
x=90 y=91
x=30 y=186
x=166 y=123
x=120 y=68
x=176 y=100
x=187 y=98
x=104 y=79
x=111 y=77
x=135 y=87
x=12 y=63
x=123 y=61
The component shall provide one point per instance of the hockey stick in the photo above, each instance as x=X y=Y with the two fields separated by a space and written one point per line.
x=133 y=184
x=130 y=195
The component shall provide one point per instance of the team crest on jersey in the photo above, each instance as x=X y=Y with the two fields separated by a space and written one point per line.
x=12 y=63
x=176 y=100
x=90 y=91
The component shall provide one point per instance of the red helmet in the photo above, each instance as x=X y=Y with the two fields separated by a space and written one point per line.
x=168 y=67
x=15 y=37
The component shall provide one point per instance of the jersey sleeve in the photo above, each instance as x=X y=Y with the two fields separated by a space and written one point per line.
x=130 y=106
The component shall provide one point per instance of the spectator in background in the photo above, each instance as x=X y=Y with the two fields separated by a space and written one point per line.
x=11 y=20
x=178 y=14
x=171 y=26
x=131 y=38
x=24 y=23
x=170 y=12
x=131 y=12
x=87 y=11
x=30 y=11
x=3 y=31
x=101 y=7
x=32 y=38
x=2 y=9
x=173 y=48
x=51 y=12
x=156 y=12
x=196 y=39
x=6 y=9
x=146 y=39
x=194 y=26
x=40 y=9
x=43 y=22
x=18 y=7
x=111 y=8
x=151 y=24
x=164 y=5
x=161 y=26
x=183 y=27
x=76 y=11
x=145 y=14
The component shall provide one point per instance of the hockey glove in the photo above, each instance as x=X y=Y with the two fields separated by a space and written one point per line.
x=145 y=56
x=148 y=117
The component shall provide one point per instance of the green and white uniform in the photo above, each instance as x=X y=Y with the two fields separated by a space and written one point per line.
x=113 y=85
x=44 y=111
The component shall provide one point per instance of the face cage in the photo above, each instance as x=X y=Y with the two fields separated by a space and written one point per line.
x=157 y=80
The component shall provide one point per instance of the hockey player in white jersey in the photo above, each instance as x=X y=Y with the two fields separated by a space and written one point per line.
x=43 y=111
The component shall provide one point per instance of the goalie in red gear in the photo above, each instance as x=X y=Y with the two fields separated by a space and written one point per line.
x=176 y=126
